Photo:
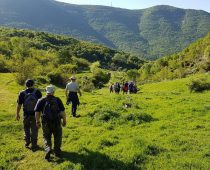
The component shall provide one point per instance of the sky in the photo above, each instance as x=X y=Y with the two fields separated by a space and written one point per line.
x=142 y=4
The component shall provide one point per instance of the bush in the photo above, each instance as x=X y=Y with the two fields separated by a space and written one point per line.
x=41 y=80
x=86 y=84
x=100 y=77
x=104 y=115
x=81 y=63
x=3 y=65
x=57 y=78
x=68 y=68
x=199 y=84
x=25 y=69
x=138 y=118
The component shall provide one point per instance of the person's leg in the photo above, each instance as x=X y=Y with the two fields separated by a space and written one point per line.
x=57 y=139
x=74 y=109
x=34 y=132
x=47 y=133
x=26 y=126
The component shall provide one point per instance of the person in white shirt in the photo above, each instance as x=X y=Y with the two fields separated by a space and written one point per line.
x=71 y=91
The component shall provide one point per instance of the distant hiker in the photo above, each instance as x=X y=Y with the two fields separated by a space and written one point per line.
x=125 y=87
x=132 y=87
x=52 y=110
x=28 y=98
x=111 y=88
x=117 y=87
x=71 y=91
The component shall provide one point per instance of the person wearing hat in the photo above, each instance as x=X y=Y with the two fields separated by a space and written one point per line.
x=28 y=99
x=52 y=110
x=71 y=91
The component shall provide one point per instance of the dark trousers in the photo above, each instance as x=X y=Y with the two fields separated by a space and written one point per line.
x=74 y=109
x=73 y=98
x=55 y=129
x=30 y=129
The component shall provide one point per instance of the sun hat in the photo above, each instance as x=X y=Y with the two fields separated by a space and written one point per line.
x=72 y=78
x=50 y=89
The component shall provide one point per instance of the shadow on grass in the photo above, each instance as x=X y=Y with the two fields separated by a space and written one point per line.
x=95 y=160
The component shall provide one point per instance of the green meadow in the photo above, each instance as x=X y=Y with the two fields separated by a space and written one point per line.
x=167 y=127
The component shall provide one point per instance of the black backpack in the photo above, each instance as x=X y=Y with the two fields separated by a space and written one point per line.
x=30 y=100
x=51 y=110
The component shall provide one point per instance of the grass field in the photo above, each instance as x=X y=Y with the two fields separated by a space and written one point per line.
x=167 y=127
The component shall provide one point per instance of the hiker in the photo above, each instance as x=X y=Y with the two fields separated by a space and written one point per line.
x=125 y=87
x=130 y=87
x=71 y=91
x=111 y=88
x=52 y=110
x=117 y=87
x=28 y=98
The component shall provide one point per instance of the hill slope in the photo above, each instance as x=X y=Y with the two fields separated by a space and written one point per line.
x=167 y=127
x=193 y=59
x=150 y=33
x=17 y=43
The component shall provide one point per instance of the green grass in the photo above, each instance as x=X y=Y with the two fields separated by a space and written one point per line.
x=167 y=127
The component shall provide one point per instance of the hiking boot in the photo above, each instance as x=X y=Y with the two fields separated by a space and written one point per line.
x=27 y=144
x=47 y=156
x=74 y=116
x=35 y=148
x=58 y=154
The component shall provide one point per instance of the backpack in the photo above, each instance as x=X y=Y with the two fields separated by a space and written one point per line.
x=116 y=87
x=51 y=110
x=30 y=100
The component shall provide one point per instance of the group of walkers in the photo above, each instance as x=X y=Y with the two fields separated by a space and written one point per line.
x=127 y=87
x=51 y=111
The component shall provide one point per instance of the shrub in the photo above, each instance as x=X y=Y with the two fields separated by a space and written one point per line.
x=68 y=68
x=41 y=80
x=199 y=84
x=25 y=69
x=104 y=115
x=138 y=118
x=101 y=77
x=86 y=84
x=57 y=78
x=3 y=65
x=81 y=63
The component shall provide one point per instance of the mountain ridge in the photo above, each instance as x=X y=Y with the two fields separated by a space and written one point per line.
x=149 y=33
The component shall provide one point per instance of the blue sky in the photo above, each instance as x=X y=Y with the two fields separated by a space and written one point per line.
x=141 y=4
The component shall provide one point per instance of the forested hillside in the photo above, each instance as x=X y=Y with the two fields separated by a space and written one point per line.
x=193 y=59
x=39 y=54
x=149 y=33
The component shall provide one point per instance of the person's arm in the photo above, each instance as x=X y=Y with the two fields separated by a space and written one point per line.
x=62 y=111
x=37 y=116
x=79 y=92
x=66 y=92
x=63 y=116
x=18 y=111
x=38 y=112
x=20 y=101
